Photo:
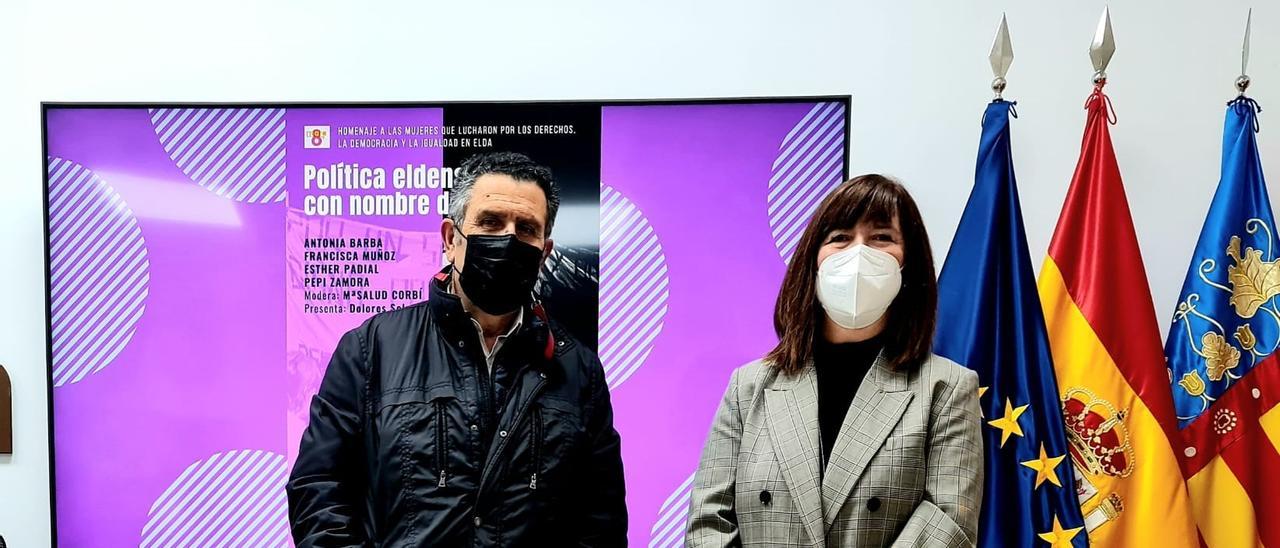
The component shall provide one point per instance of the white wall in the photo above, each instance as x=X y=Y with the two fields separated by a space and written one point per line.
x=917 y=72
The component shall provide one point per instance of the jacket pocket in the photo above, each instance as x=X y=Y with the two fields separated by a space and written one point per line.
x=901 y=465
x=909 y=442
x=554 y=439
x=417 y=432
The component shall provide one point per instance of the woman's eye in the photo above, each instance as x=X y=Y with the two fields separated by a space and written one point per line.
x=838 y=238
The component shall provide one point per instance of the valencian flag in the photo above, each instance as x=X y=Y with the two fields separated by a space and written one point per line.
x=1112 y=379
x=1222 y=352
x=992 y=323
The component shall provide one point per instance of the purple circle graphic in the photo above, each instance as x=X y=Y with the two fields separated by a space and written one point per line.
x=673 y=518
x=810 y=163
x=633 y=286
x=235 y=498
x=98 y=272
x=237 y=153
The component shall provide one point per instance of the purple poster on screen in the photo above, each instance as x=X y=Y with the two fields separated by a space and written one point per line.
x=204 y=261
x=361 y=230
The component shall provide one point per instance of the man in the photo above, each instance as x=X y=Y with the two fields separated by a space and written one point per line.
x=469 y=419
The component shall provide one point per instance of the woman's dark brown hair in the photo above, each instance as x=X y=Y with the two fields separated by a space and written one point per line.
x=798 y=317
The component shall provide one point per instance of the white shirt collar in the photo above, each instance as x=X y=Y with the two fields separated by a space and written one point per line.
x=491 y=353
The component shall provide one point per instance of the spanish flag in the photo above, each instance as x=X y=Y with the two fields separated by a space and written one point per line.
x=1109 y=360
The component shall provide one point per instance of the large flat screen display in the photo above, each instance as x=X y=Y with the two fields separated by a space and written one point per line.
x=203 y=261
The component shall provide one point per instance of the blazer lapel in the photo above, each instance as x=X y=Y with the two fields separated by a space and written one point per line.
x=877 y=406
x=792 y=410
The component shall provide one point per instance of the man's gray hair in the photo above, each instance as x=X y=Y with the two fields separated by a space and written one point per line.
x=513 y=164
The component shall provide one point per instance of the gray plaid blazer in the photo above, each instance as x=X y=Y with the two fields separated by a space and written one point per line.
x=906 y=469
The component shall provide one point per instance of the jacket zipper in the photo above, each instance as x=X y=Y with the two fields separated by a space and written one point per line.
x=537 y=447
x=440 y=441
x=487 y=469
x=486 y=403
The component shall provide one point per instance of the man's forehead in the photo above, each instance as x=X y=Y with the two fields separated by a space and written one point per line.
x=496 y=185
x=506 y=205
x=502 y=200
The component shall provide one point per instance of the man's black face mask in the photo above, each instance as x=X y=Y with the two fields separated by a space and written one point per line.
x=499 y=272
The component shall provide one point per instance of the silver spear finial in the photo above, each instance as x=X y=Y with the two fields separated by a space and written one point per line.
x=1242 y=82
x=1103 y=47
x=1001 y=57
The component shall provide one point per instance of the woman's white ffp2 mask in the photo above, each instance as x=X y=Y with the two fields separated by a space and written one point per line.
x=857 y=285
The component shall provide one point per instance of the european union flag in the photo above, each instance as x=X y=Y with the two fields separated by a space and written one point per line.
x=990 y=321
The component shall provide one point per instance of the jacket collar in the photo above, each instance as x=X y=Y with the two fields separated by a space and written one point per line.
x=446 y=309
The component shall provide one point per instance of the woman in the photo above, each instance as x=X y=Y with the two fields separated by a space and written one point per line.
x=849 y=432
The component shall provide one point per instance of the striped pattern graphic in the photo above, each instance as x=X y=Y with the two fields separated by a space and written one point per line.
x=633 y=286
x=229 y=499
x=98 y=271
x=233 y=152
x=810 y=163
x=668 y=531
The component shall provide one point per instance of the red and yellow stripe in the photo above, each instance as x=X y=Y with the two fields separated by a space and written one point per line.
x=1232 y=462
